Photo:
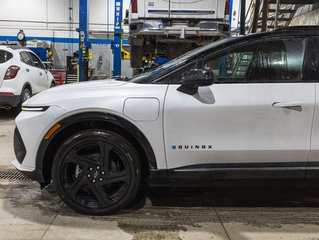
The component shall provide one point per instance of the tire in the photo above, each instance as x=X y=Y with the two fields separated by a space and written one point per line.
x=25 y=95
x=96 y=172
x=52 y=85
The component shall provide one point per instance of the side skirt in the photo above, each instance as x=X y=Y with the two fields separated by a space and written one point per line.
x=252 y=174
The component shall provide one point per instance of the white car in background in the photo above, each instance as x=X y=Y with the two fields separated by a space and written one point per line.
x=22 y=74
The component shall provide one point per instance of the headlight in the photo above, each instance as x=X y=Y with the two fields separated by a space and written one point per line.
x=35 y=109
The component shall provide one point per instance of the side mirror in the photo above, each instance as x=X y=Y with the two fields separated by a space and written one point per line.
x=195 y=78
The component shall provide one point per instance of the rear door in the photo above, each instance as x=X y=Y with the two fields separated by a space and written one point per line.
x=40 y=69
x=32 y=73
x=5 y=63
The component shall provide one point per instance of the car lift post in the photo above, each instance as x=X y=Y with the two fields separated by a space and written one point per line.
x=84 y=44
x=230 y=17
x=223 y=68
x=116 y=44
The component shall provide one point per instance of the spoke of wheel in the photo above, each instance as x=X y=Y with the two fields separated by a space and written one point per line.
x=101 y=195
x=73 y=157
x=123 y=176
x=107 y=148
x=77 y=184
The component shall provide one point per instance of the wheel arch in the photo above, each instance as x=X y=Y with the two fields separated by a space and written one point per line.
x=94 y=120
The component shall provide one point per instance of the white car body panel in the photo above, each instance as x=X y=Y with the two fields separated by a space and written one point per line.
x=39 y=122
x=100 y=96
x=314 y=153
x=224 y=115
x=142 y=109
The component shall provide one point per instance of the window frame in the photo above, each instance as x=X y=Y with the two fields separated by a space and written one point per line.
x=163 y=79
x=41 y=64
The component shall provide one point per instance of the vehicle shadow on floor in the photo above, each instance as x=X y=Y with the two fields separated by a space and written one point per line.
x=8 y=114
x=233 y=197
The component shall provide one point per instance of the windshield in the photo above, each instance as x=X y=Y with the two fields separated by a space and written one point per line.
x=167 y=67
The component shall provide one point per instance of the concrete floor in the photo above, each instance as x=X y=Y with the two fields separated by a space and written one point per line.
x=26 y=212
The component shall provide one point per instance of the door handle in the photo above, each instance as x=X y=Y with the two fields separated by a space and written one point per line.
x=295 y=105
x=28 y=70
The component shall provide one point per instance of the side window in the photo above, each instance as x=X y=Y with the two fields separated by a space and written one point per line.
x=26 y=58
x=5 y=56
x=176 y=76
x=36 y=61
x=260 y=62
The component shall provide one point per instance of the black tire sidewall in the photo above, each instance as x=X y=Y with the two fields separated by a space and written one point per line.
x=117 y=141
x=23 y=93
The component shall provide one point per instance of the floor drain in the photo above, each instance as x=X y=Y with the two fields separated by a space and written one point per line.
x=12 y=175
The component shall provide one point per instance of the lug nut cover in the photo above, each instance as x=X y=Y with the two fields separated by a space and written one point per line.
x=98 y=167
x=93 y=180
x=100 y=179
x=89 y=175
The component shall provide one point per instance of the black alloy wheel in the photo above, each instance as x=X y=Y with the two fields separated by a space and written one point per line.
x=96 y=172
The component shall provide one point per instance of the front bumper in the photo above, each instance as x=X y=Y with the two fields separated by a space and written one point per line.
x=12 y=101
x=30 y=138
x=33 y=174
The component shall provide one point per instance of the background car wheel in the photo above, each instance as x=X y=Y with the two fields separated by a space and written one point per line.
x=25 y=95
x=96 y=172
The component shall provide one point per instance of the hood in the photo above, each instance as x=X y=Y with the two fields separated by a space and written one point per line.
x=71 y=91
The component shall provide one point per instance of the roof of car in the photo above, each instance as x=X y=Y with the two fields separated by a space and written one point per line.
x=12 y=46
x=287 y=31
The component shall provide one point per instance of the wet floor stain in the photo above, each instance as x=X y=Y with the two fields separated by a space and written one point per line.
x=25 y=196
x=166 y=213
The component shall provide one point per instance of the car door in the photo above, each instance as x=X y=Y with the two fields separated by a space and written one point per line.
x=257 y=115
x=30 y=73
x=42 y=78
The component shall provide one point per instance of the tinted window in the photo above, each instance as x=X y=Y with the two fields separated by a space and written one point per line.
x=26 y=58
x=176 y=77
x=5 y=56
x=36 y=61
x=260 y=62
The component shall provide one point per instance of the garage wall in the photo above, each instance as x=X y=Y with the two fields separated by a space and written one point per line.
x=56 y=20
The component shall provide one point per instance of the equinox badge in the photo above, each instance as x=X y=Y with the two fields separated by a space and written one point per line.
x=192 y=147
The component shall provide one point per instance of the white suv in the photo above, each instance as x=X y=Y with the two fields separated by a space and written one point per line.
x=22 y=74
x=242 y=110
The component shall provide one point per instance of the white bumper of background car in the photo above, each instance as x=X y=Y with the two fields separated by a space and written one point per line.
x=32 y=127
